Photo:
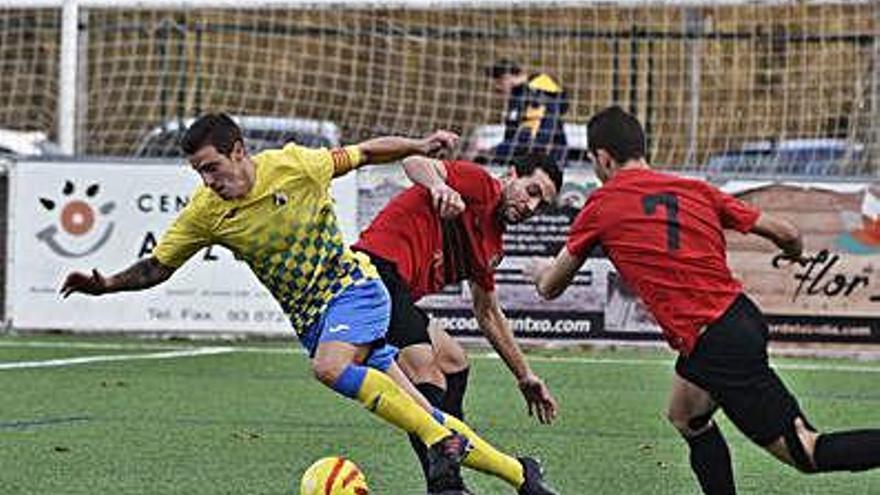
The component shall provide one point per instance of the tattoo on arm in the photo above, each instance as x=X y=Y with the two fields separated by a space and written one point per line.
x=141 y=275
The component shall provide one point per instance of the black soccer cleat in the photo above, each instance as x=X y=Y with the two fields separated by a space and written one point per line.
x=444 y=465
x=453 y=488
x=534 y=475
x=463 y=491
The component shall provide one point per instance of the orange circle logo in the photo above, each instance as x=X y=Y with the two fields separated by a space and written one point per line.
x=77 y=217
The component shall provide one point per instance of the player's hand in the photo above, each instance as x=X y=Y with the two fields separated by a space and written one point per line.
x=94 y=284
x=535 y=267
x=539 y=399
x=438 y=142
x=447 y=201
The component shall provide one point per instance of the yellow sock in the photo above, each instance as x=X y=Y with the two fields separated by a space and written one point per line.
x=379 y=394
x=486 y=458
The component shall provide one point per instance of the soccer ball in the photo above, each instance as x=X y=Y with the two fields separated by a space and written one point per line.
x=333 y=476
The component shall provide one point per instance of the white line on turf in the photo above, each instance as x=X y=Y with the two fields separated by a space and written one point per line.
x=90 y=345
x=199 y=350
x=669 y=362
x=51 y=363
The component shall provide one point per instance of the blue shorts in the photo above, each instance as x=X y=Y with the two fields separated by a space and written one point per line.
x=359 y=315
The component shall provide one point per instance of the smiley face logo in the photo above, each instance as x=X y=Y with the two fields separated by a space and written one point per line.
x=77 y=222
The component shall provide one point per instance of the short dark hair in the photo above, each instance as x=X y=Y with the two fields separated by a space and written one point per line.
x=618 y=133
x=216 y=129
x=503 y=67
x=526 y=164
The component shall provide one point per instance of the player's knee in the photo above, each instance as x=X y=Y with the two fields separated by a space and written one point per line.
x=673 y=418
x=800 y=443
x=687 y=424
x=803 y=462
x=419 y=365
x=451 y=357
x=678 y=421
x=327 y=371
x=448 y=353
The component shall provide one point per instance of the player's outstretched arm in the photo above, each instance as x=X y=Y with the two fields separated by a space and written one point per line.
x=552 y=277
x=388 y=149
x=781 y=232
x=141 y=275
x=432 y=174
x=392 y=148
x=496 y=328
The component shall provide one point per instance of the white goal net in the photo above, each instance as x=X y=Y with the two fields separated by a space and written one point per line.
x=713 y=82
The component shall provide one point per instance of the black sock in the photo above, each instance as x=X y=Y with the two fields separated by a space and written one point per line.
x=434 y=394
x=710 y=461
x=847 y=451
x=456 y=385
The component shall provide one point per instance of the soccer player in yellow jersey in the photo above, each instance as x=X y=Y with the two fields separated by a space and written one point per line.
x=275 y=212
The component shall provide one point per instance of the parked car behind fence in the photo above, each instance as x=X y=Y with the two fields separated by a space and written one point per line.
x=259 y=133
x=790 y=157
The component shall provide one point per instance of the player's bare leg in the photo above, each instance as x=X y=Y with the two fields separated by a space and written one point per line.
x=453 y=362
x=690 y=411
x=418 y=364
x=337 y=365
x=802 y=459
x=451 y=358
x=813 y=452
x=331 y=359
x=524 y=473
x=396 y=373
x=392 y=396
x=450 y=355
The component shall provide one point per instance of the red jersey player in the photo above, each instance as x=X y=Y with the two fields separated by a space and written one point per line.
x=664 y=234
x=446 y=230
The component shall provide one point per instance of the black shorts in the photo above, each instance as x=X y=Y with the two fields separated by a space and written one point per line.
x=730 y=362
x=409 y=323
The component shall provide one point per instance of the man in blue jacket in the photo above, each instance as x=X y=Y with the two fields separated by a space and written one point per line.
x=536 y=104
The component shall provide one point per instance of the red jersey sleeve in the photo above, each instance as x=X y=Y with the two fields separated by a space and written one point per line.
x=470 y=180
x=734 y=213
x=584 y=232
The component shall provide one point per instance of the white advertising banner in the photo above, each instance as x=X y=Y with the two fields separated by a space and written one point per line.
x=82 y=215
x=576 y=314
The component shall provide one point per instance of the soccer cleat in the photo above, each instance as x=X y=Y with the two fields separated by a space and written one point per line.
x=534 y=475
x=463 y=491
x=444 y=465
x=459 y=489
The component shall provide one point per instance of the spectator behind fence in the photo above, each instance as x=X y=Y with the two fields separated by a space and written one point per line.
x=533 y=121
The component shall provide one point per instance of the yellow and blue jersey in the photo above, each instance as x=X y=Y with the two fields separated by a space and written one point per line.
x=285 y=229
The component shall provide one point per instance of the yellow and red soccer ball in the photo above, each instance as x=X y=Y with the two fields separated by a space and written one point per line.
x=333 y=476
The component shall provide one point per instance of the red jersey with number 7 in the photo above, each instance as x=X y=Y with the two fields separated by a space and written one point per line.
x=665 y=236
